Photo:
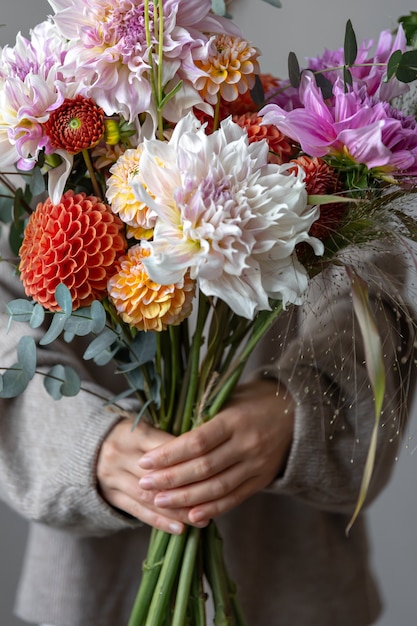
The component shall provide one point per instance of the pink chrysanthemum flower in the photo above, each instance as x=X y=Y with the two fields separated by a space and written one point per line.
x=122 y=198
x=229 y=69
x=144 y=304
x=77 y=243
x=352 y=127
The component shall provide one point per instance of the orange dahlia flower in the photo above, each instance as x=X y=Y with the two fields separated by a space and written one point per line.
x=280 y=147
x=146 y=305
x=77 y=243
x=76 y=125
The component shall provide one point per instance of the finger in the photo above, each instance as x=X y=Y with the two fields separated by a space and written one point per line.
x=188 y=446
x=215 y=488
x=204 y=512
x=148 y=515
x=191 y=472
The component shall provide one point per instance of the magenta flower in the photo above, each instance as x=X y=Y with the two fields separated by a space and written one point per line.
x=352 y=126
x=370 y=69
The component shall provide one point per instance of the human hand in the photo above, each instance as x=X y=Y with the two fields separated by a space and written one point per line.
x=118 y=475
x=216 y=466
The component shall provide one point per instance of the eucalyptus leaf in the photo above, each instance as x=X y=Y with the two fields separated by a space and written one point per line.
x=144 y=347
x=85 y=320
x=325 y=86
x=99 y=344
x=38 y=316
x=140 y=414
x=64 y=299
x=55 y=329
x=17 y=377
x=20 y=310
x=351 y=45
x=218 y=7
x=407 y=67
x=393 y=63
x=274 y=3
x=257 y=92
x=347 y=78
x=62 y=381
x=294 y=72
x=37 y=182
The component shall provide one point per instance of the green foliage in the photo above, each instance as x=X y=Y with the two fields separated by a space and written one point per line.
x=62 y=381
x=350 y=45
x=15 y=379
x=409 y=23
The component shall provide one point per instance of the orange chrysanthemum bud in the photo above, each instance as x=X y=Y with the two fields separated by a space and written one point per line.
x=146 y=305
x=322 y=179
x=230 y=69
x=281 y=149
x=77 y=243
x=76 y=125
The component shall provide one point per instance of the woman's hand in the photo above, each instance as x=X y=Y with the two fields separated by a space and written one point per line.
x=118 y=475
x=224 y=461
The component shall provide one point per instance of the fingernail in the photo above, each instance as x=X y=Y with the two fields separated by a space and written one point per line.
x=161 y=499
x=146 y=462
x=146 y=482
x=175 y=529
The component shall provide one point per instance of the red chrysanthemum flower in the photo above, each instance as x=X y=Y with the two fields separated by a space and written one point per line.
x=76 y=125
x=77 y=243
x=322 y=179
x=281 y=149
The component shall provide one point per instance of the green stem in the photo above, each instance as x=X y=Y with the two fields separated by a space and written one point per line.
x=228 y=381
x=87 y=159
x=193 y=362
x=216 y=574
x=151 y=570
x=187 y=571
x=162 y=592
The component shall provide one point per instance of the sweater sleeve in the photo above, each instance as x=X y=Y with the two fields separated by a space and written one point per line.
x=48 y=448
x=324 y=368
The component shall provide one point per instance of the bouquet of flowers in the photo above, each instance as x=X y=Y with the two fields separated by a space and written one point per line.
x=172 y=175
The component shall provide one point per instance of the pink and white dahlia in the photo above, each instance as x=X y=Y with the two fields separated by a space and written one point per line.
x=353 y=126
x=31 y=87
x=225 y=215
x=110 y=53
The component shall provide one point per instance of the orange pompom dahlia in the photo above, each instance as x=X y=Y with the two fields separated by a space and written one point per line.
x=280 y=146
x=77 y=243
x=146 y=305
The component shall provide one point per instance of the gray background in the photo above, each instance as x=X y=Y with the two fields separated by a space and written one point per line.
x=306 y=27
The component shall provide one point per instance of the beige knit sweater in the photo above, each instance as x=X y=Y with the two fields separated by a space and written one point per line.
x=287 y=547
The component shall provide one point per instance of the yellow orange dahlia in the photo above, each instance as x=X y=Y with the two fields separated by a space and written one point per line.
x=144 y=304
x=122 y=198
x=77 y=243
x=230 y=69
x=76 y=125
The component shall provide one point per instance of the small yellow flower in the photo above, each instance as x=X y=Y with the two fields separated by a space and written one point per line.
x=121 y=197
x=230 y=68
x=144 y=304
